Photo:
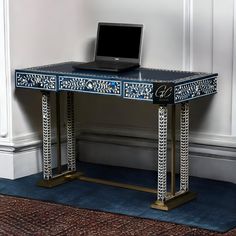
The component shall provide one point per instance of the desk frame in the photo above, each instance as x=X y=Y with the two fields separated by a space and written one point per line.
x=141 y=84
x=165 y=200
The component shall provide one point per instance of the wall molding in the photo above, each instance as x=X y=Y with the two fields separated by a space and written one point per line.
x=23 y=158
x=187 y=35
x=125 y=146
x=212 y=36
x=5 y=71
x=233 y=116
x=224 y=141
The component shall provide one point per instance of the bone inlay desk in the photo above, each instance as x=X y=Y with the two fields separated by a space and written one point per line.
x=160 y=87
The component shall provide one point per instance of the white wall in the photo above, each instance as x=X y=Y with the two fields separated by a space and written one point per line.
x=193 y=35
x=164 y=48
x=34 y=33
x=41 y=32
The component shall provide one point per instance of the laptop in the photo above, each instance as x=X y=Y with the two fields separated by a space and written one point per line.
x=118 y=48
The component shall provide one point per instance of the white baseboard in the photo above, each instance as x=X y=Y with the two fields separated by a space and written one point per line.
x=6 y=166
x=211 y=156
x=14 y=165
x=24 y=157
x=213 y=168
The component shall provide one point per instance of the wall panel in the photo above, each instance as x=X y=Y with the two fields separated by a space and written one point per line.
x=212 y=51
x=233 y=117
x=5 y=96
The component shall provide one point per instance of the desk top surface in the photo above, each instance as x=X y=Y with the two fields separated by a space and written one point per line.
x=155 y=85
x=139 y=74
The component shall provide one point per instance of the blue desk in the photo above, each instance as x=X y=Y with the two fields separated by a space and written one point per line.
x=161 y=87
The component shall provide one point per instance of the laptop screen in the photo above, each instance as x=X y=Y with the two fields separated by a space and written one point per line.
x=119 y=41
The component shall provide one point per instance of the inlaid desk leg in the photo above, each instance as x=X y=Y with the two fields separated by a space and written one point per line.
x=50 y=180
x=162 y=154
x=71 y=165
x=47 y=152
x=169 y=200
x=184 y=147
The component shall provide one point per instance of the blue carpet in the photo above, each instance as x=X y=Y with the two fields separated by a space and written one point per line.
x=214 y=208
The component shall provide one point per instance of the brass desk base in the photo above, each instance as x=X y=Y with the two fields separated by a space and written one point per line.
x=174 y=202
x=59 y=179
x=117 y=184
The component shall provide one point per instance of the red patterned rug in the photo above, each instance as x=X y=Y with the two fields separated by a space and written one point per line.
x=20 y=217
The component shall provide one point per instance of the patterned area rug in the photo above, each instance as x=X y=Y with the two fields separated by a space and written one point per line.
x=213 y=209
x=22 y=217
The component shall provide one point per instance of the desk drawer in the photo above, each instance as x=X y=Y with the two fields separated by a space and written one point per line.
x=36 y=81
x=89 y=85
x=138 y=91
x=195 y=89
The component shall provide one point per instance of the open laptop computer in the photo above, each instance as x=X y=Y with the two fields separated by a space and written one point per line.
x=118 y=48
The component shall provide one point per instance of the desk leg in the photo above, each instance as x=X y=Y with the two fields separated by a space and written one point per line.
x=47 y=152
x=184 y=147
x=169 y=200
x=173 y=151
x=50 y=180
x=58 y=111
x=71 y=165
x=162 y=154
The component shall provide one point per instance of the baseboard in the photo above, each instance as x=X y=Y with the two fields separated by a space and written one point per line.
x=213 y=168
x=14 y=165
x=22 y=159
x=211 y=156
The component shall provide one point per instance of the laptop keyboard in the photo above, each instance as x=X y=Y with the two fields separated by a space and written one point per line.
x=106 y=66
x=112 y=64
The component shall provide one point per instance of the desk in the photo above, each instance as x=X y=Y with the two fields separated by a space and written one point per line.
x=160 y=87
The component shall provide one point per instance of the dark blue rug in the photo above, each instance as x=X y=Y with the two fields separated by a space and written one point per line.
x=214 y=208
